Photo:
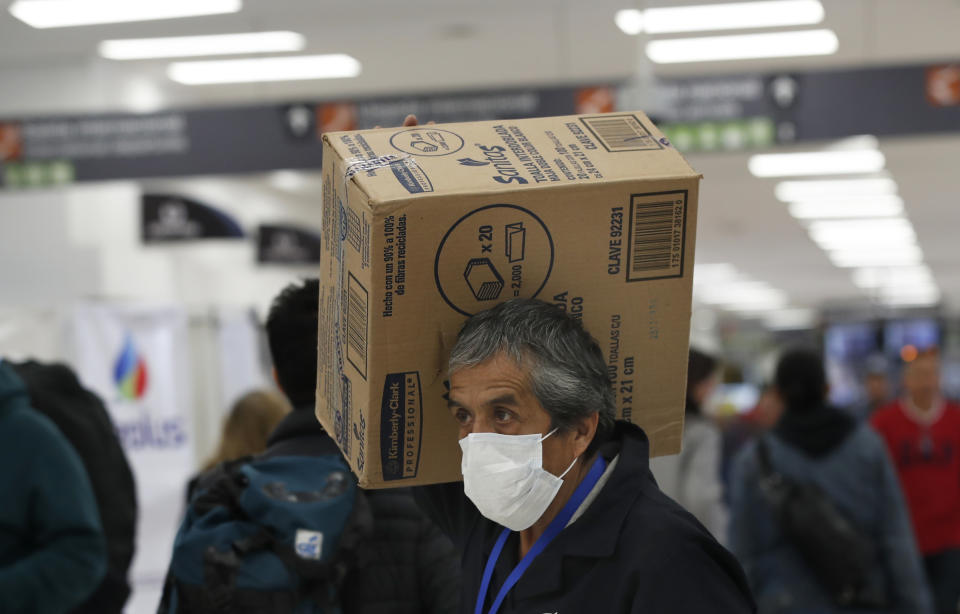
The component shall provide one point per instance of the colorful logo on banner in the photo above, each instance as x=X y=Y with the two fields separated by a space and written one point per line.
x=130 y=372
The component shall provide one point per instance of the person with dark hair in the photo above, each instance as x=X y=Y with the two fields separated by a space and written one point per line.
x=692 y=478
x=922 y=431
x=404 y=564
x=814 y=444
x=52 y=550
x=407 y=564
x=291 y=325
x=558 y=511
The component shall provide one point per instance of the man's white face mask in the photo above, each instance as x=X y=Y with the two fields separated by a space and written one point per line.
x=504 y=477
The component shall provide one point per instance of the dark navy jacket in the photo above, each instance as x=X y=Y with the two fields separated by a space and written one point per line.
x=52 y=551
x=632 y=551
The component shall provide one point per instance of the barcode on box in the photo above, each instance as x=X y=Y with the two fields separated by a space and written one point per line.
x=658 y=229
x=621 y=133
x=354 y=231
x=357 y=312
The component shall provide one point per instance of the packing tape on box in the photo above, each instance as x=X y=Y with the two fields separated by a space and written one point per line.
x=362 y=165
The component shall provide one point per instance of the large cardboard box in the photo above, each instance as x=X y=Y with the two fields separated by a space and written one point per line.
x=424 y=226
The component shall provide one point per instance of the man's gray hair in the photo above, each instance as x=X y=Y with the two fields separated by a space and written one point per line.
x=565 y=365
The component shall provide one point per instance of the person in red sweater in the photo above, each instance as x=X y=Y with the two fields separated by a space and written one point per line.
x=922 y=431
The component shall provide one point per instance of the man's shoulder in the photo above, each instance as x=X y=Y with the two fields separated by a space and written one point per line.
x=656 y=524
x=663 y=543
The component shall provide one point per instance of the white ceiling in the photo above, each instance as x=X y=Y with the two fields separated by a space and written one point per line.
x=743 y=224
x=429 y=45
x=422 y=45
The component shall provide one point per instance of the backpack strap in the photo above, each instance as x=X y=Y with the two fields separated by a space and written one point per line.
x=763 y=458
x=773 y=485
x=220 y=577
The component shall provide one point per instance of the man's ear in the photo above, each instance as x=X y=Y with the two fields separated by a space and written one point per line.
x=584 y=432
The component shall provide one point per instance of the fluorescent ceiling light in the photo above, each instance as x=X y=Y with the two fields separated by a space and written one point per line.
x=744 y=294
x=856 y=234
x=288 y=181
x=730 y=16
x=863 y=230
x=902 y=256
x=63 y=13
x=289 y=68
x=743 y=46
x=756 y=306
x=912 y=301
x=708 y=274
x=796 y=191
x=878 y=277
x=790 y=319
x=216 y=44
x=894 y=241
x=630 y=21
x=930 y=297
x=868 y=207
x=816 y=163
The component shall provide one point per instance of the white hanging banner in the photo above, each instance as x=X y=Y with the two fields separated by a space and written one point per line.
x=243 y=363
x=136 y=359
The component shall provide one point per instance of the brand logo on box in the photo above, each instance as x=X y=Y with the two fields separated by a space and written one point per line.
x=493 y=253
x=497 y=156
x=427 y=141
x=401 y=425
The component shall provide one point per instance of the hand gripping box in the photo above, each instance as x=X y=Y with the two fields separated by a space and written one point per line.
x=425 y=226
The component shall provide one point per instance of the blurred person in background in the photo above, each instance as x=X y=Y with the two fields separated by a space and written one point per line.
x=52 y=550
x=744 y=428
x=692 y=478
x=81 y=416
x=922 y=430
x=876 y=388
x=814 y=444
x=246 y=428
x=403 y=564
x=410 y=566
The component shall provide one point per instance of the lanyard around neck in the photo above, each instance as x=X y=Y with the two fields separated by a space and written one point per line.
x=556 y=525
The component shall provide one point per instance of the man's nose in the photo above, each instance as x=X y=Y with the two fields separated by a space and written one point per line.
x=482 y=424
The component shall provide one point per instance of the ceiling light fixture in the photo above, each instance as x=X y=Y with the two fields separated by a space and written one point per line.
x=708 y=274
x=187 y=46
x=289 y=68
x=797 y=191
x=630 y=21
x=64 y=13
x=816 y=163
x=727 y=16
x=790 y=319
x=846 y=208
x=743 y=46
x=856 y=258
x=879 y=277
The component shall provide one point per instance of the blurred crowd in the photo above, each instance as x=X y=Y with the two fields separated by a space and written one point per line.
x=827 y=509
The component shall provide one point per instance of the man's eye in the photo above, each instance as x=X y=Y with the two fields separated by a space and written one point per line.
x=502 y=415
x=462 y=416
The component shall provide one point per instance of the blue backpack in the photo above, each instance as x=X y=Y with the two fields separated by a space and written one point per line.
x=267 y=535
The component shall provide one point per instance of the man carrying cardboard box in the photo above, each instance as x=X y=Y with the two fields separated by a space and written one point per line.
x=558 y=511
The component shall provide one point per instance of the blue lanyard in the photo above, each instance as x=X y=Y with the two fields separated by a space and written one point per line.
x=556 y=525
